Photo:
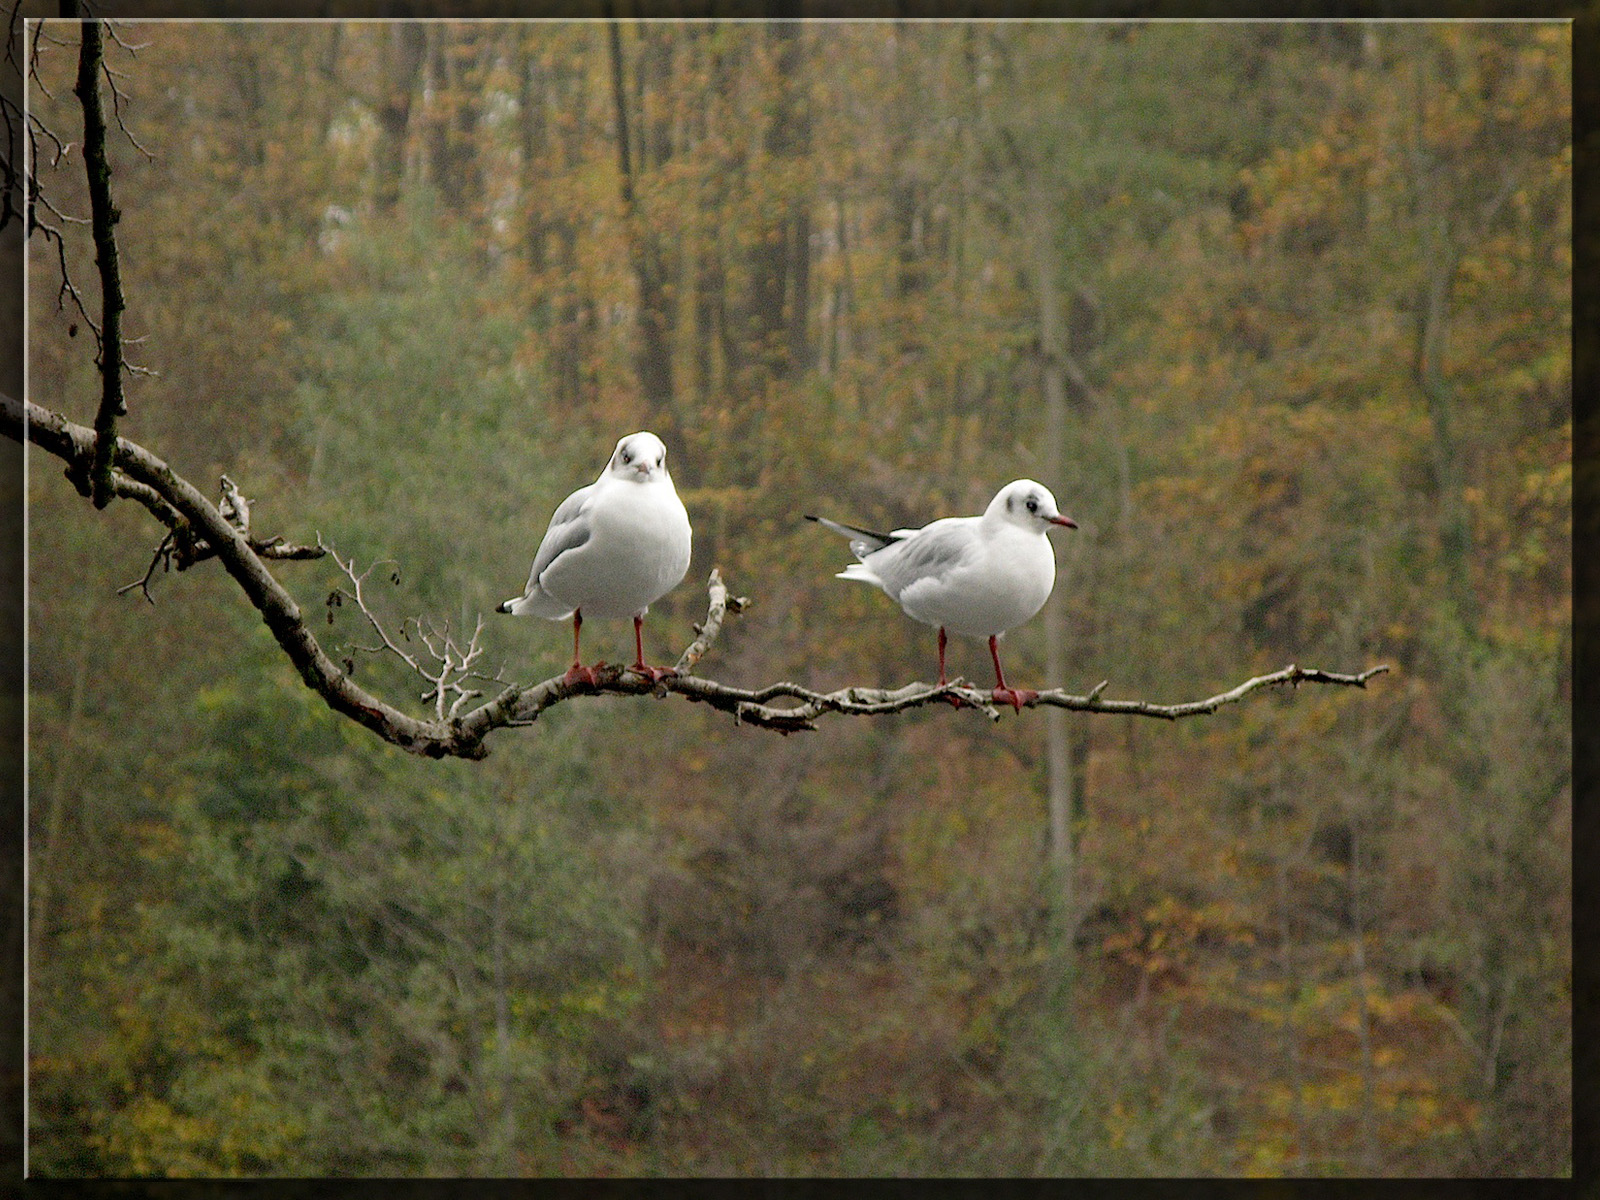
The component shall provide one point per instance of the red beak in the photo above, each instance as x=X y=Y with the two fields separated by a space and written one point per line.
x=1067 y=521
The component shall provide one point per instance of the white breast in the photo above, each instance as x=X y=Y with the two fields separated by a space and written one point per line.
x=638 y=550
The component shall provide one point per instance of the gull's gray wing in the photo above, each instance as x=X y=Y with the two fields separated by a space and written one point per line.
x=930 y=553
x=568 y=530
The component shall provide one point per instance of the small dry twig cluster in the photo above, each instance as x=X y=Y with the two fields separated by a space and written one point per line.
x=182 y=547
x=452 y=662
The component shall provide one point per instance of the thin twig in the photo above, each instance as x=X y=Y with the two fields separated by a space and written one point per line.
x=452 y=662
x=131 y=49
x=181 y=548
x=36 y=127
x=358 y=580
x=11 y=23
x=721 y=604
x=161 y=558
x=33 y=60
x=116 y=106
x=67 y=288
x=15 y=174
x=1292 y=675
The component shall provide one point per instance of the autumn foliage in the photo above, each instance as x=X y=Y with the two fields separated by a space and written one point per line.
x=406 y=283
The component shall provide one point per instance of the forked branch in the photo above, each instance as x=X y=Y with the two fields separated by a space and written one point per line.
x=223 y=531
x=448 y=664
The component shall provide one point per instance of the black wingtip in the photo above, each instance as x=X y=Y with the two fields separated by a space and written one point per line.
x=504 y=606
x=809 y=517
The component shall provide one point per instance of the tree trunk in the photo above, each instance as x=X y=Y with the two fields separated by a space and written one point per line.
x=452 y=127
x=775 y=323
x=1434 y=183
x=403 y=52
x=653 y=353
x=534 y=134
x=796 y=144
x=43 y=876
x=572 y=315
x=1358 y=956
x=1058 y=748
x=502 y=1036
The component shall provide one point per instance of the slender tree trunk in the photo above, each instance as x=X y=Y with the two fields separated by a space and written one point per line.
x=1358 y=954
x=657 y=313
x=435 y=122
x=653 y=354
x=329 y=90
x=798 y=145
x=405 y=45
x=453 y=120
x=774 y=325
x=1291 y=1035
x=502 y=1035
x=1058 y=748
x=1434 y=185
x=43 y=875
x=844 y=299
x=534 y=135
x=553 y=149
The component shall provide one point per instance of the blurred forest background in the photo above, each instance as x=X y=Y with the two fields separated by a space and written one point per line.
x=1299 y=297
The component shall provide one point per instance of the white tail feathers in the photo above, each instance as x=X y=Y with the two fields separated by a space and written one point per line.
x=859 y=571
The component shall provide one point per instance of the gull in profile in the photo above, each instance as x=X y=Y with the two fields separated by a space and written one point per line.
x=976 y=576
x=613 y=548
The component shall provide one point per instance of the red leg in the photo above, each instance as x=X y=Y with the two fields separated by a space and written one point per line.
x=955 y=700
x=577 y=672
x=1002 y=693
x=653 y=674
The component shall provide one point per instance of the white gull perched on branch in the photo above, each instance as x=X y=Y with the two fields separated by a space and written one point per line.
x=613 y=548
x=977 y=576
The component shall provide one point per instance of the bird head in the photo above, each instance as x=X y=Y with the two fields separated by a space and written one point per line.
x=1029 y=504
x=639 y=458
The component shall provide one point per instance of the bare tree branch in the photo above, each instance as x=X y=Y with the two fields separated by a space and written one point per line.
x=34 y=199
x=721 y=605
x=36 y=127
x=11 y=31
x=104 y=216
x=1292 y=675
x=67 y=288
x=117 y=96
x=11 y=166
x=75 y=444
x=755 y=707
x=452 y=663
x=182 y=549
x=33 y=58
x=111 y=31
x=161 y=558
x=223 y=530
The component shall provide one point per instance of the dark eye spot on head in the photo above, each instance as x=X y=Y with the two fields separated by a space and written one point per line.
x=1011 y=502
x=627 y=456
